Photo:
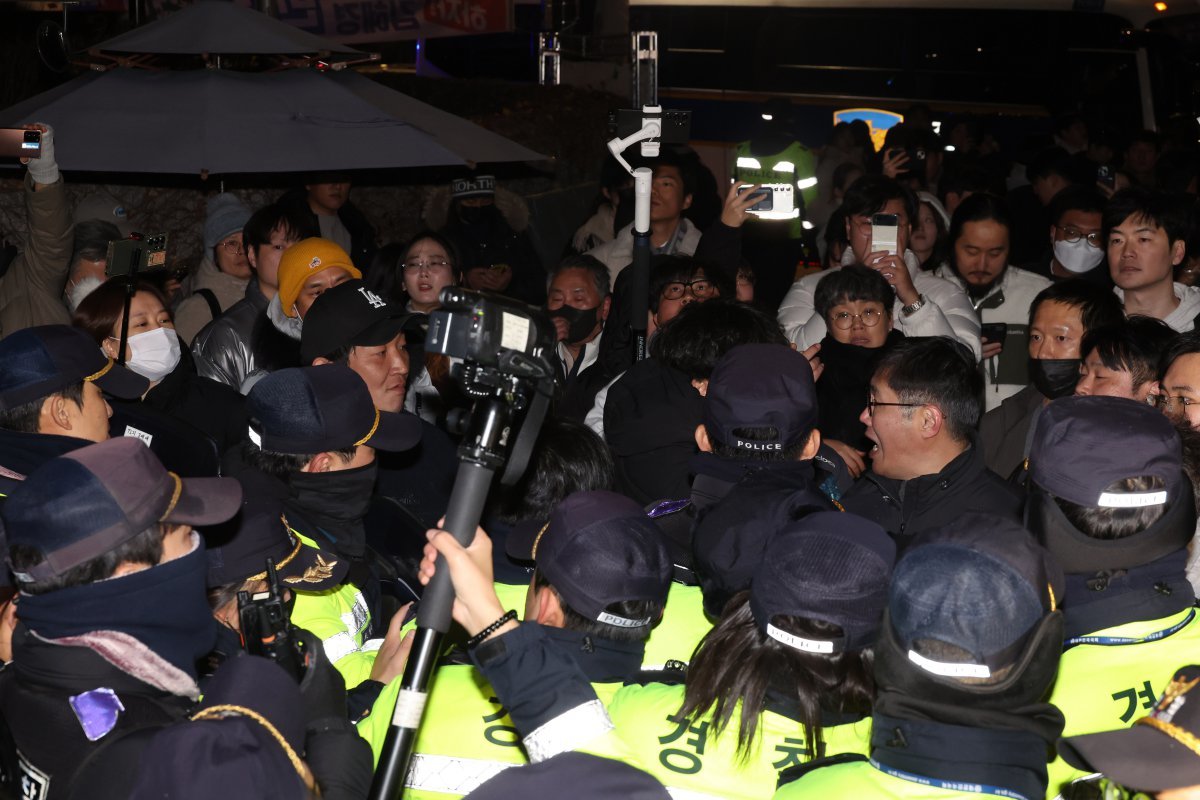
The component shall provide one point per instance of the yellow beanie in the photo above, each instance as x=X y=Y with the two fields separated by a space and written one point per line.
x=303 y=260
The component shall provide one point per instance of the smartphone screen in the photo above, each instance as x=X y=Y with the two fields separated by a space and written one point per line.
x=765 y=198
x=20 y=143
x=884 y=228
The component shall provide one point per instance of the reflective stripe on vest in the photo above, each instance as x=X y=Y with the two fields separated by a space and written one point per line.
x=339 y=646
x=358 y=617
x=688 y=794
x=450 y=775
x=568 y=731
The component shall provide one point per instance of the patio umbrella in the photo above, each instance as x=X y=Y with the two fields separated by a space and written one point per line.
x=221 y=28
x=224 y=122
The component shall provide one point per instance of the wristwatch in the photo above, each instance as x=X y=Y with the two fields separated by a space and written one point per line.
x=914 y=306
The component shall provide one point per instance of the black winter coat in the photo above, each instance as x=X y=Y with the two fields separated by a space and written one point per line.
x=907 y=508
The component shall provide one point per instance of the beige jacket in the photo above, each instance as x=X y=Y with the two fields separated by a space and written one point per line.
x=193 y=312
x=31 y=289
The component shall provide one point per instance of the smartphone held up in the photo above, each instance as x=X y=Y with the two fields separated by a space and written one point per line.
x=885 y=230
x=20 y=143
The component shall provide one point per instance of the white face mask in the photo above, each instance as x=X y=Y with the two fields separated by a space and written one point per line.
x=1077 y=257
x=76 y=292
x=154 y=354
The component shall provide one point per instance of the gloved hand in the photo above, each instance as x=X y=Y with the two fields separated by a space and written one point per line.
x=340 y=759
x=44 y=169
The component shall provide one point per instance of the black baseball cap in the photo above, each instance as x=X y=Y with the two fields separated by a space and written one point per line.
x=349 y=315
x=598 y=548
x=982 y=585
x=756 y=386
x=245 y=740
x=1157 y=752
x=77 y=507
x=1083 y=445
x=262 y=532
x=306 y=410
x=39 y=361
x=828 y=566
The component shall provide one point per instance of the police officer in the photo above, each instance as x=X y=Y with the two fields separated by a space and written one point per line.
x=52 y=380
x=112 y=613
x=600 y=585
x=961 y=667
x=313 y=435
x=784 y=676
x=1109 y=499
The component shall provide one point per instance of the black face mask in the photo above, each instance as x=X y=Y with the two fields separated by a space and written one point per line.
x=580 y=322
x=337 y=502
x=475 y=215
x=1055 y=377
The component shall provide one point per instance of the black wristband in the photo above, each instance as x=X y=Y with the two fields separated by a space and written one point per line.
x=490 y=629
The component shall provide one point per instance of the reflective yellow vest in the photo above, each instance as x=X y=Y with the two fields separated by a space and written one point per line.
x=688 y=756
x=680 y=630
x=1106 y=687
x=861 y=780
x=674 y=638
x=796 y=165
x=466 y=735
x=338 y=617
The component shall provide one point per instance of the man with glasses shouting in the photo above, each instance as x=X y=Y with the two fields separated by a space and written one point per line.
x=927 y=467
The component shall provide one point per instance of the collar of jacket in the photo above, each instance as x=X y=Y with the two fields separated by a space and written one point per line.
x=24 y=452
x=949 y=273
x=912 y=493
x=786 y=704
x=74 y=669
x=602 y=660
x=1148 y=592
x=289 y=326
x=175 y=385
x=1010 y=759
x=254 y=294
x=715 y=476
x=209 y=276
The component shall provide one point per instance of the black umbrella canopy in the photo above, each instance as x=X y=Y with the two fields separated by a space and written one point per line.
x=222 y=28
x=223 y=122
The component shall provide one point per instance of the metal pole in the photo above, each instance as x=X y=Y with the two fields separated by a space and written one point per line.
x=479 y=461
x=640 y=294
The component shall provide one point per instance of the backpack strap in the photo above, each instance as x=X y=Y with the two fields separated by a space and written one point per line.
x=214 y=307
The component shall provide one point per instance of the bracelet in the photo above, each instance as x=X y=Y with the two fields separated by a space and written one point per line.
x=914 y=306
x=490 y=629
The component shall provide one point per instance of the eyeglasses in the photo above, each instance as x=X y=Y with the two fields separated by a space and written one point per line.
x=676 y=289
x=430 y=265
x=1167 y=400
x=872 y=404
x=1073 y=235
x=844 y=320
x=233 y=247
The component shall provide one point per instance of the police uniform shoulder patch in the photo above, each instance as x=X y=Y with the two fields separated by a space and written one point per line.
x=35 y=784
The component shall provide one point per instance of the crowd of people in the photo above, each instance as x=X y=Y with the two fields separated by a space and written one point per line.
x=924 y=529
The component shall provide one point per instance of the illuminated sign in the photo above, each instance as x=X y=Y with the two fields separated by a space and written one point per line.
x=878 y=121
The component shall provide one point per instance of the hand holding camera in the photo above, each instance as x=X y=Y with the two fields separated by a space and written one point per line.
x=739 y=200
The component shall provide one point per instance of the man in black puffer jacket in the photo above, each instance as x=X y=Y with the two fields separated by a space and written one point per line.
x=927 y=467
